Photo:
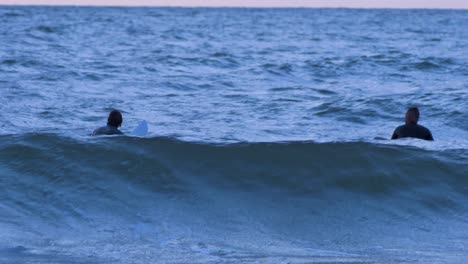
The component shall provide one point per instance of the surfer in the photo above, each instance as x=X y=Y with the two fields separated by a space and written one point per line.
x=114 y=121
x=411 y=129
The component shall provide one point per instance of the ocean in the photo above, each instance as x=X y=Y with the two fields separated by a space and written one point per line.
x=261 y=141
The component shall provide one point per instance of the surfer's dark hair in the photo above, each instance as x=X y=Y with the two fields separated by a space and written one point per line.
x=114 y=119
x=414 y=112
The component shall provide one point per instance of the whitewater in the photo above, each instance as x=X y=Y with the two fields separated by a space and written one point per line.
x=261 y=135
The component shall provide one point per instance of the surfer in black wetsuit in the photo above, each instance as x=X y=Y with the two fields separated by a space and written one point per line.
x=114 y=121
x=411 y=129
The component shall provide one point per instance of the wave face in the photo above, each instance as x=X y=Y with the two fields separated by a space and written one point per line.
x=136 y=200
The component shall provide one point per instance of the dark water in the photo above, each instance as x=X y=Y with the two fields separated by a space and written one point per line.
x=261 y=142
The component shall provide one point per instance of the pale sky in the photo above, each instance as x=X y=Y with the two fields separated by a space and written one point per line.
x=454 y=4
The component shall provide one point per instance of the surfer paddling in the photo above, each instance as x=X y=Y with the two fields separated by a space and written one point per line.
x=411 y=129
x=114 y=121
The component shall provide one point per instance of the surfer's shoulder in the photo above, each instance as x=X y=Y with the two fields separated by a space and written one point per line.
x=397 y=133
x=108 y=131
x=426 y=133
x=114 y=121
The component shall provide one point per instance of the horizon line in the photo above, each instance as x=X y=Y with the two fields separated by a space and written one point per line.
x=228 y=6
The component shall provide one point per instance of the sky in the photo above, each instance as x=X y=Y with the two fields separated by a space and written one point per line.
x=452 y=4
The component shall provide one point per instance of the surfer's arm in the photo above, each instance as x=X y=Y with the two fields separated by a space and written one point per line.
x=395 y=134
x=429 y=136
x=96 y=132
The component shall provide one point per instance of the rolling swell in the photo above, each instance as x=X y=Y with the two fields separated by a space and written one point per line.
x=179 y=196
x=171 y=165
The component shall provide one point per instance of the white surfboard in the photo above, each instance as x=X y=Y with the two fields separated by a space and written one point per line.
x=141 y=130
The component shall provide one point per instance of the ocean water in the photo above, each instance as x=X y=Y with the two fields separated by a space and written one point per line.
x=261 y=146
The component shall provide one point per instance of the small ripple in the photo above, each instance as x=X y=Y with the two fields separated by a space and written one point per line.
x=139 y=31
x=12 y=14
x=220 y=54
x=325 y=92
x=9 y=62
x=426 y=65
x=328 y=108
x=46 y=29
x=276 y=69
x=288 y=100
x=434 y=63
x=285 y=89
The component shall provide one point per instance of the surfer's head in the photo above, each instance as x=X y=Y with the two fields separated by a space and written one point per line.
x=114 y=119
x=412 y=115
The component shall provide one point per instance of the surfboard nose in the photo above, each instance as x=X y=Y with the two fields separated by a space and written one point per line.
x=141 y=130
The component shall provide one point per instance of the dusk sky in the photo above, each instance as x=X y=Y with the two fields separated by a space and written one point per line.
x=458 y=4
